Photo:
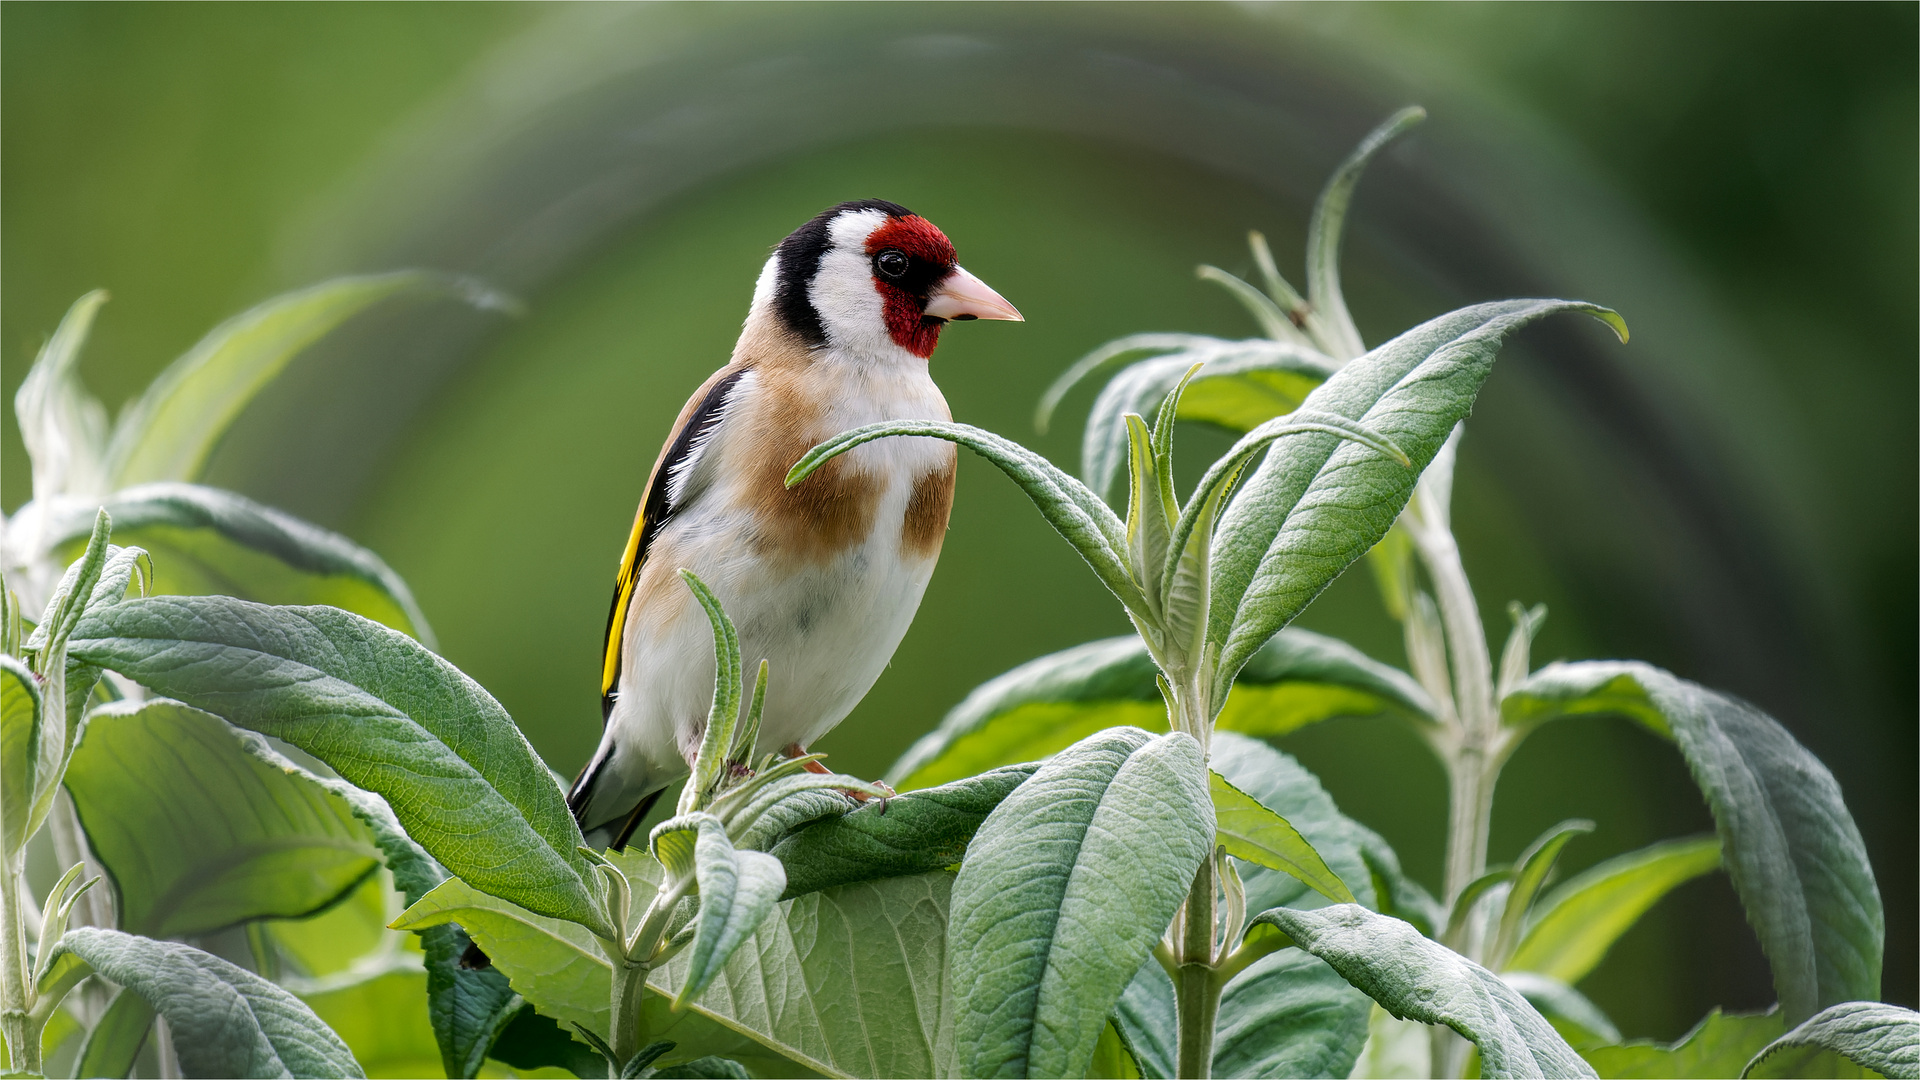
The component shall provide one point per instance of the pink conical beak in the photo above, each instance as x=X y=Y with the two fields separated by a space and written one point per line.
x=962 y=297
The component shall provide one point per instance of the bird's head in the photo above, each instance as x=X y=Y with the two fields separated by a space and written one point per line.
x=870 y=278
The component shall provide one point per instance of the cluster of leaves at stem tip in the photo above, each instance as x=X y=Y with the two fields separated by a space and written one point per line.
x=1099 y=865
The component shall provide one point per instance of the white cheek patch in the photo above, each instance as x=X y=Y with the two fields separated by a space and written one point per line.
x=842 y=291
x=765 y=286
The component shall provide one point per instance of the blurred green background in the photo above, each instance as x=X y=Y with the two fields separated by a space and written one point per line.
x=1732 y=496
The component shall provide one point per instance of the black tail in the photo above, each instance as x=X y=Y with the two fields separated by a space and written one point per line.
x=633 y=821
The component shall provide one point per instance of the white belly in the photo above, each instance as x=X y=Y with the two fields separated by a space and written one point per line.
x=827 y=626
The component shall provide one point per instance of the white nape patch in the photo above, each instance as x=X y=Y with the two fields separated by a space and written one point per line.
x=842 y=292
x=764 y=286
x=691 y=474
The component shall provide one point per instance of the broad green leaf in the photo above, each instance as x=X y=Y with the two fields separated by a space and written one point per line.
x=205 y=541
x=1064 y=891
x=1578 y=1020
x=20 y=705
x=116 y=1037
x=1241 y=384
x=1317 y=502
x=1421 y=980
x=1572 y=928
x=1720 y=1045
x=913 y=833
x=1329 y=320
x=64 y=427
x=1884 y=1038
x=1287 y=1015
x=554 y=963
x=200 y=830
x=531 y=1040
x=351 y=932
x=379 y=709
x=1255 y=834
x=711 y=1067
x=1226 y=470
x=1045 y=705
x=873 y=949
x=882 y=942
x=225 y=1020
x=171 y=429
x=1111 y=353
x=738 y=889
x=1076 y=513
x=382 y=1017
x=1529 y=874
x=465 y=1008
x=1791 y=848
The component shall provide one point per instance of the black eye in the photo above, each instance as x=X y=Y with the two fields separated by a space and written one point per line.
x=891 y=263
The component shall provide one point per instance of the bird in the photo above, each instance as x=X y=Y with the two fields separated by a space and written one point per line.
x=822 y=581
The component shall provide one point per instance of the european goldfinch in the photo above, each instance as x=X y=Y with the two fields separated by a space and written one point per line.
x=823 y=580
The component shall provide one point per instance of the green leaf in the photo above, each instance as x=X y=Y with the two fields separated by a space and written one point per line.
x=712 y=1067
x=1317 y=502
x=1076 y=513
x=64 y=427
x=1149 y=520
x=1112 y=1058
x=20 y=709
x=225 y=1020
x=1283 y=786
x=1884 y=1038
x=1064 y=891
x=1273 y=322
x=1791 y=848
x=737 y=891
x=881 y=944
x=1287 y=1015
x=1720 y=1045
x=1529 y=874
x=205 y=541
x=878 y=947
x=1572 y=928
x=383 y=1019
x=554 y=963
x=465 y=1008
x=1110 y=353
x=1241 y=384
x=201 y=827
x=382 y=711
x=1331 y=322
x=1045 y=705
x=908 y=834
x=1514 y=658
x=116 y=1037
x=1415 y=978
x=169 y=431
x=709 y=765
x=1251 y=832
x=530 y=1040
x=1578 y=1020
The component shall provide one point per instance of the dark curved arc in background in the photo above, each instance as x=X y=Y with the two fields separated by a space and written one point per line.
x=552 y=194
x=523 y=204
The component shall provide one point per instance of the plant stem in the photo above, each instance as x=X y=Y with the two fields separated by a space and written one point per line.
x=629 y=1032
x=1197 y=987
x=16 y=974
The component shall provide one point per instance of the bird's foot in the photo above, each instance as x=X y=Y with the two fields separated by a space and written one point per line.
x=796 y=750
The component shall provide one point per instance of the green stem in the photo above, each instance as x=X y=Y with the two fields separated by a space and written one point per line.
x=629 y=1032
x=1196 y=986
x=16 y=979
